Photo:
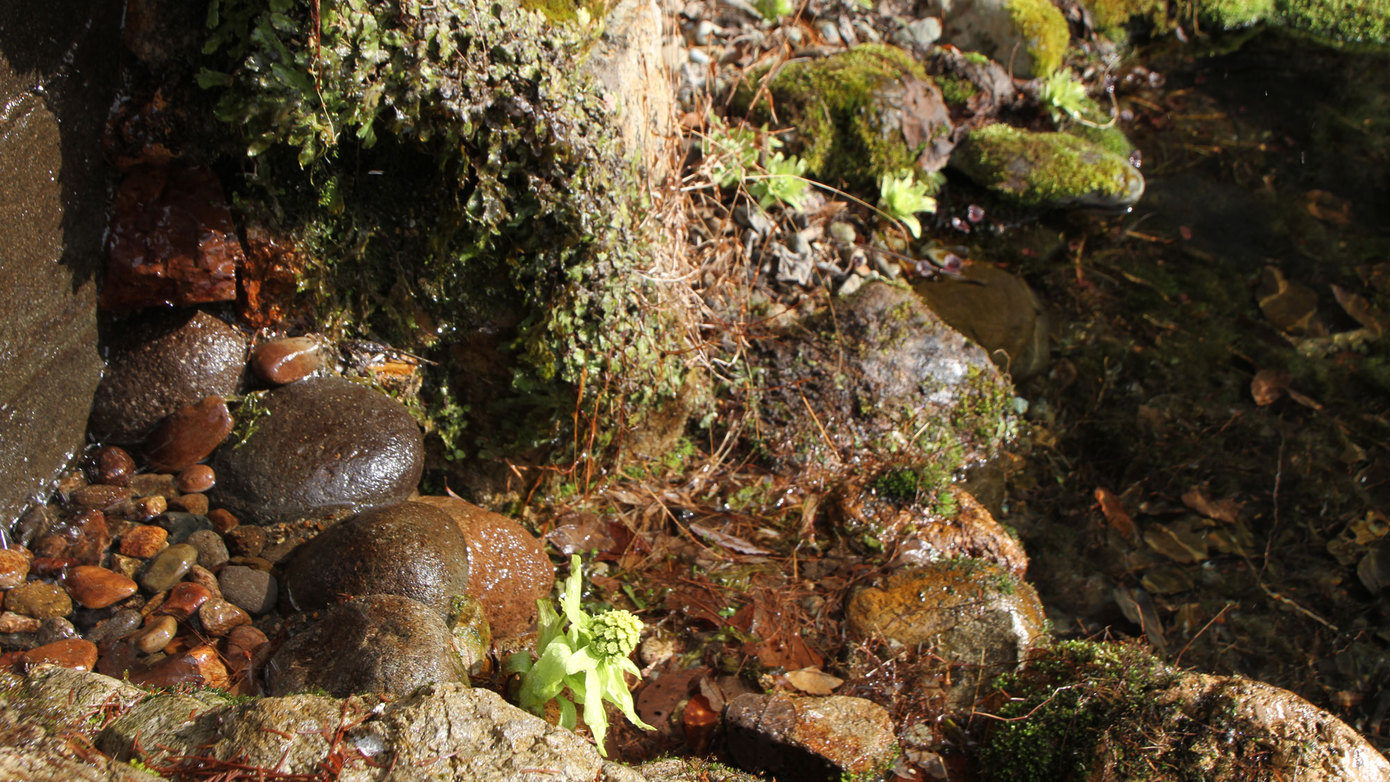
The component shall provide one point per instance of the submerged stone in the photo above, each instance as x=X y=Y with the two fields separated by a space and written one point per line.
x=1047 y=169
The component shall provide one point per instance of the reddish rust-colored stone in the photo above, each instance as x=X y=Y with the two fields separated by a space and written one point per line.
x=10 y=622
x=144 y=541
x=72 y=653
x=196 y=478
x=270 y=278
x=184 y=599
x=14 y=566
x=112 y=466
x=189 y=434
x=172 y=240
x=222 y=519
x=192 y=503
x=198 y=666
x=286 y=360
x=97 y=587
x=219 y=617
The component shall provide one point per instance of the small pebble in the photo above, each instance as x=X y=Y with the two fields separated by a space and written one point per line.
x=203 y=577
x=10 y=622
x=38 y=599
x=126 y=566
x=252 y=590
x=156 y=635
x=242 y=644
x=191 y=503
x=223 y=520
x=220 y=616
x=55 y=628
x=185 y=599
x=245 y=541
x=97 y=587
x=197 y=478
x=14 y=566
x=117 y=626
x=148 y=484
x=144 y=541
x=180 y=525
x=147 y=508
x=100 y=497
x=112 y=466
x=169 y=567
x=212 y=552
x=286 y=360
x=189 y=435
x=198 y=666
x=259 y=563
x=72 y=653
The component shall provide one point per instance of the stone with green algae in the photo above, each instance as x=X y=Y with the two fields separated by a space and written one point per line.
x=1029 y=37
x=1047 y=169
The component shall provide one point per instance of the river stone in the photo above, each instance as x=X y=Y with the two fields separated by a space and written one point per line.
x=508 y=570
x=1047 y=170
x=324 y=446
x=188 y=435
x=408 y=549
x=1029 y=37
x=160 y=362
x=38 y=599
x=796 y=737
x=374 y=644
x=254 y=591
x=169 y=567
x=995 y=309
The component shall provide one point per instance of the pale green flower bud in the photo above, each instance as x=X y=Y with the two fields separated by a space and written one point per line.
x=615 y=634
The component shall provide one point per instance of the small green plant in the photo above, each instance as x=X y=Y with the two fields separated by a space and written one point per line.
x=772 y=10
x=733 y=155
x=784 y=181
x=902 y=196
x=1064 y=96
x=586 y=656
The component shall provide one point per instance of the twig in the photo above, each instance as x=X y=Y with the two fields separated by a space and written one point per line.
x=1178 y=660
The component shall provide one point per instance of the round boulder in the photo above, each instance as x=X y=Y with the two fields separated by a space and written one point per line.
x=409 y=549
x=373 y=644
x=160 y=363
x=320 y=447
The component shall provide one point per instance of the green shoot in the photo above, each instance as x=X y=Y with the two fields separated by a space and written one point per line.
x=1063 y=96
x=902 y=196
x=582 y=660
x=784 y=181
x=772 y=10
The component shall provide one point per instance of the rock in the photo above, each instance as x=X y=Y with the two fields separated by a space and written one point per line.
x=508 y=570
x=882 y=374
x=245 y=541
x=55 y=628
x=147 y=484
x=254 y=591
x=81 y=538
x=196 y=478
x=471 y=634
x=169 y=567
x=687 y=769
x=156 y=635
x=144 y=541
x=73 y=653
x=286 y=360
x=1049 y=170
x=324 y=446
x=376 y=644
x=222 y=520
x=14 y=566
x=162 y=726
x=182 y=525
x=107 y=499
x=10 y=622
x=995 y=309
x=184 y=599
x=409 y=549
x=160 y=363
x=38 y=599
x=200 y=666
x=188 y=435
x=97 y=587
x=204 y=578
x=195 y=503
x=112 y=465
x=212 y=551
x=857 y=114
x=147 y=508
x=219 y=617
x=794 y=737
x=1029 y=37
x=119 y=625
x=171 y=240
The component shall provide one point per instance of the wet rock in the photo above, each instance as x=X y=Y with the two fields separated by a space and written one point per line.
x=245 y=541
x=286 y=360
x=375 y=644
x=149 y=484
x=687 y=769
x=1028 y=36
x=188 y=435
x=156 y=635
x=10 y=622
x=169 y=567
x=196 y=478
x=163 y=725
x=200 y=666
x=100 y=497
x=472 y=636
x=325 y=446
x=144 y=541
x=409 y=549
x=184 y=599
x=1047 y=169
x=55 y=628
x=222 y=520
x=197 y=504
x=147 y=508
x=508 y=570
x=14 y=566
x=254 y=591
x=996 y=310
x=97 y=587
x=794 y=737
x=171 y=240
x=181 y=525
x=73 y=653
x=159 y=364
x=880 y=373
x=212 y=551
x=81 y=538
x=119 y=625
x=38 y=599
x=112 y=465
x=243 y=644
x=219 y=617
x=204 y=578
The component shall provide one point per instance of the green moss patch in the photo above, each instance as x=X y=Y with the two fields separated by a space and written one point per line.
x=1046 y=169
x=1044 y=31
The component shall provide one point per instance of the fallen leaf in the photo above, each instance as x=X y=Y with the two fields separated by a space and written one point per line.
x=1269 y=384
x=728 y=541
x=1306 y=401
x=1222 y=510
x=1327 y=207
x=1179 y=542
x=1361 y=310
x=814 y=681
x=1115 y=513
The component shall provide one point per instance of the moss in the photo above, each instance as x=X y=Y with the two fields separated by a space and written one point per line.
x=1233 y=14
x=447 y=170
x=566 y=10
x=1044 y=32
x=1106 y=136
x=1346 y=21
x=956 y=90
x=1115 y=17
x=834 y=104
x=1046 y=169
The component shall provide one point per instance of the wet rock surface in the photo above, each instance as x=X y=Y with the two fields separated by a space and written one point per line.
x=188 y=435
x=807 y=738
x=322 y=446
x=1047 y=169
x=410 y=549
x=156 y=364
x=997 y=311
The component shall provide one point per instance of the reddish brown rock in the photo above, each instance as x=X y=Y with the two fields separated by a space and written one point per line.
x=286 y=360
x=147 y=508
x=507 y=566
x=97 y=587
x=241 y=646
x=10 y=622
x=156 y=634
x=144 y=541
x=72 y=653
x=197 y=666
x=149 y=484
x=245 y=541
x=14 y=566
x=112 y=465
x=189 y=435
x=220 y=616
x=184 y=599
x=204 y=578
x=270 y=278
x=172 y=240
x=222 y=519
x=191 y=503
x=38 y=599
x=196 y=478
x=126 y=566
x=100 y=497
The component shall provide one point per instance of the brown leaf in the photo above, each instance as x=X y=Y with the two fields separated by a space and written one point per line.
x=1361 y=310
x=1115 y=513
x=728 y=541
x=1327 y=207
x=813 y=681
x=1306 y=401
x=1222 y=510
x=1270 y=384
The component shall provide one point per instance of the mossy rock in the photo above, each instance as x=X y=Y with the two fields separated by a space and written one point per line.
x=1331 y=21
x=1116 y=18
x=855 y=115
x=1047 y=169
x=1338 y=21
x=1029 y=37
x=447 y=174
